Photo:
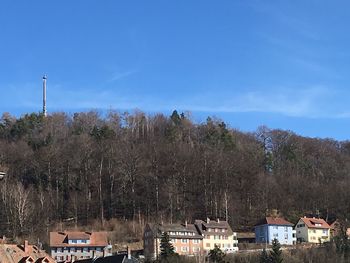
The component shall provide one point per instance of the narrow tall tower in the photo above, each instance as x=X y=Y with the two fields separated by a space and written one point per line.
x=44 y=95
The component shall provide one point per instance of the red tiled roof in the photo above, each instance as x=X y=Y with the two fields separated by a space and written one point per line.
x=60 y=239
x=274 y=221
x=315 y=222
x=12 y=253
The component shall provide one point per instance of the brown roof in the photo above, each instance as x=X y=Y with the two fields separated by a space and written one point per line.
x=274 y=221
x=245 y=235
x=60 y=239
x=204 y=225
x=78 y=235
x=160 y=228
x=12 y=253
x=311 y=222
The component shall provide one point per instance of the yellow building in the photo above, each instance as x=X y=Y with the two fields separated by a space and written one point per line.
x=217 y=233
x=312 y=230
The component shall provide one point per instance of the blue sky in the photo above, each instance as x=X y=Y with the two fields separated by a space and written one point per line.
x=284 y=64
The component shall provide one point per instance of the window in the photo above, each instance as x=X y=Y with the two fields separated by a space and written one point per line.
x=74 y=241
x=84 y=241
x=325 y=232
x=196 y=249
x=86 y=249
x=195 y=241
x=223 y=230
x=98 y=249
x=173 y=240
x=285 y=229
x=216 y=237
x=275 y=235
x=275 y=227
x=207 y=244
x=184 y=240
x=313 y=231
x=285 y=236
x=184 y=249
x=59 y=249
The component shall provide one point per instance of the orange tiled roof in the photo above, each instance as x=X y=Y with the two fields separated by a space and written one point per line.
x=315 y=222
x=60 y=239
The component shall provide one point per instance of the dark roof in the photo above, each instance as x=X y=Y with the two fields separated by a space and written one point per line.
x=122 y=258
x=274 y=221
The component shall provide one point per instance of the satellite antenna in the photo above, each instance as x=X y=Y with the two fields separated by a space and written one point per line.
x=44 y=95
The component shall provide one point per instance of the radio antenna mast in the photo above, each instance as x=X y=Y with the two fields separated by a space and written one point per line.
x=44 y=95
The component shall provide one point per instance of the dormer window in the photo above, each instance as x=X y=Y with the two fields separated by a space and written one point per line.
x=78 y=241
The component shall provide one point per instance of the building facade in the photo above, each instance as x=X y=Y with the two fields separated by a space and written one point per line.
x=184 y=237
x=312 y=230
x=69 y=246
x=219 y=233
x=271 y=228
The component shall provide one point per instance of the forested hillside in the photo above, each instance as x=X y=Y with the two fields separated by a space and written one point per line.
x=148 y=168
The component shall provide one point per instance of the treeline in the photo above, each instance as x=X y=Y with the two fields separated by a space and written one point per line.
x=157 y=168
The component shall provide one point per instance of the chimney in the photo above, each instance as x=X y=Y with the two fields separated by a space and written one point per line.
x=185 y=223
x=26 y=246
x=208 y=220
x=129 y=252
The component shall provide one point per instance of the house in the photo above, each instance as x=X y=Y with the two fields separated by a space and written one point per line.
x=72 y=245
x=271 y=228
x=217 y=232
x=13 y=253
x=184 y=237
x=312 y=230
x=245 y=237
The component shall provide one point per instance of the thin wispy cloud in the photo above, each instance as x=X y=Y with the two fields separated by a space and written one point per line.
x=309 y=102
x=121 y=75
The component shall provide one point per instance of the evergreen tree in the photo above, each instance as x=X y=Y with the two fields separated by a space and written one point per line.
x=166 y=248
x=276 y=253
x=264 y=257
x=216 y=255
